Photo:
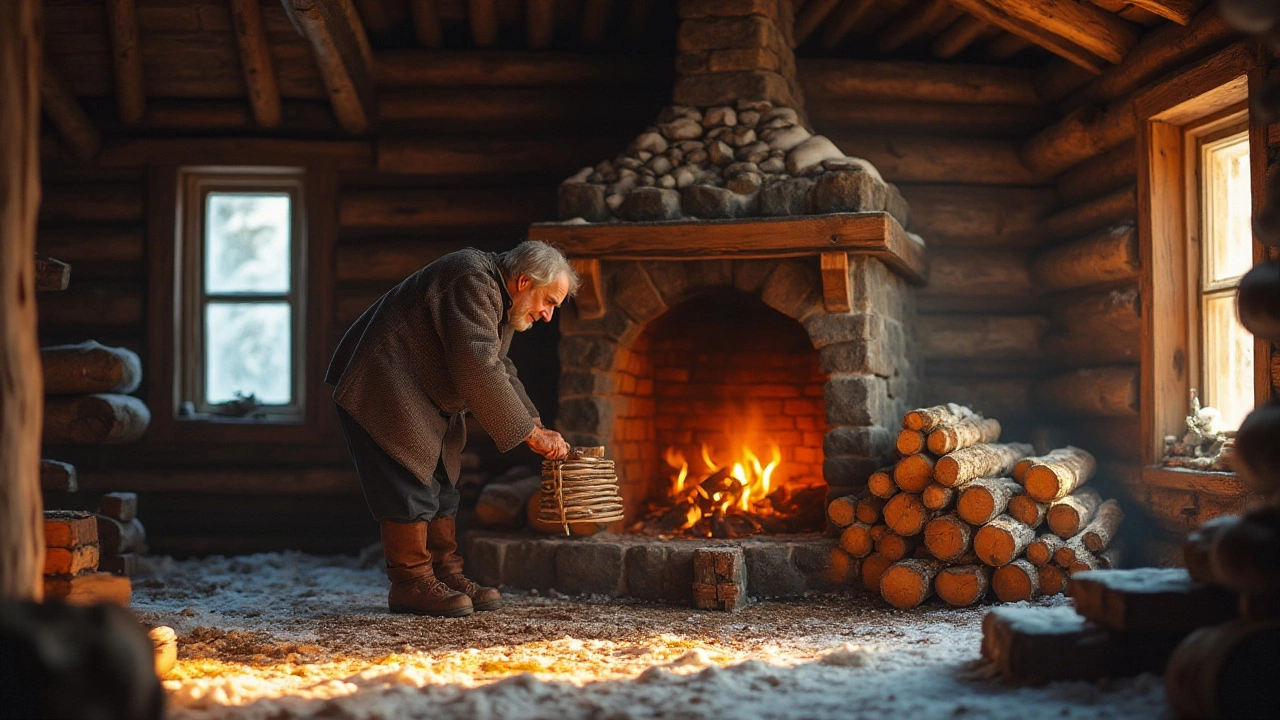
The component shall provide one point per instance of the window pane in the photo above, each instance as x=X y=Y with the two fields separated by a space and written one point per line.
x=247 y=242
x=1228 y=239
x=1228 y=360
x=248 y=350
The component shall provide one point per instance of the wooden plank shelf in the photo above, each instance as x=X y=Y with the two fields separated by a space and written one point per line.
x=876 y=234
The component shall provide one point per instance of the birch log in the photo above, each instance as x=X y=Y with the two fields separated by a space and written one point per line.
x=905 y=514
x=1068 y=516
x=1027 y=511
x=1019 y=580
x=966 y=433
x=101 y=419
x=938 y=496
x=1053 y=579
x=962 y=585
x=913 y=474
x=1042 y=549
x=907 y=583
x=1059 y=474
x=881 y=484
x=1002 y=540
x=873 y=567
x=89 y=367
x=1102 y=529
x=985 y=498
x=894 y=547
x=995 y=460
x=842 y=511
x=856 y=540
x=910 y=442
x=947 y=537
x=926 y=419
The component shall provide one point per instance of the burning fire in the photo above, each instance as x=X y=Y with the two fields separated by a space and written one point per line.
x=741 y=485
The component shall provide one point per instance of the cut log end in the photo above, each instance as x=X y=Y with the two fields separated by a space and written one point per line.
x=962 y=585
x=1019 y=580
x=908 y=583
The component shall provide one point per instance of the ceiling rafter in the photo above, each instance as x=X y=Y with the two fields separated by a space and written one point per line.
x=426 y=23
x=595 y=20
x=810 y=17
x=1036 y=32
x=255 y=62
x=126 y=60
x=342 y=55
x=483 y=16
x=958 y=36
x=63 y=110
x=540 y=23
x=843 y=20
x=910 y=23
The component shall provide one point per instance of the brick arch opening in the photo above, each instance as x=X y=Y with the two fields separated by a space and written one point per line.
x=720 y=369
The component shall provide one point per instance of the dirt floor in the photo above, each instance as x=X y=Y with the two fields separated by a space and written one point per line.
x=287 y=635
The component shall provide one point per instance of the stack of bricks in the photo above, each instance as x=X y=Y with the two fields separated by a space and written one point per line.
x=719 y=578
x=71 y=561
x=732 y=50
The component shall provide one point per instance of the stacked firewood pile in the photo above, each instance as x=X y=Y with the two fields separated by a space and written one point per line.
x=958 y=515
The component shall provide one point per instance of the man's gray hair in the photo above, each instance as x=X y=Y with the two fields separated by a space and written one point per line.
x=540 y=262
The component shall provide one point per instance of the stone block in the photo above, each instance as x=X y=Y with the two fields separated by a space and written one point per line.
x=723 y=33
x=726 y=88
x=897 y=206
x=693 y=63
x=635 y=294
x=876 y=287
x=868 y=441
x=709 y=273
x=613 y=324
x=589 y=568
x=749 y=275
x=810 y=154
x=699 y=9
x=848 y=191
x=584 y=200
x=709 y=202
x=585 y=415
x=484 y=559
x=785 y=197
x=585 y=382
x=821 y=564
x=122 y=506
x=645 y=204
x=719 y=61
x=849 y=471
x=530 y=564
x=669 y=278
x=793 y=289
x=770 y=572
x=859 y=356
x=587 y=352
x=829 y=328
x=855 y=399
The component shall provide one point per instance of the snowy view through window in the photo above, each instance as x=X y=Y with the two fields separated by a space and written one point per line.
x=247 y=317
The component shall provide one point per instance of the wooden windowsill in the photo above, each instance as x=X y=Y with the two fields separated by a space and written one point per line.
x=1224 y=484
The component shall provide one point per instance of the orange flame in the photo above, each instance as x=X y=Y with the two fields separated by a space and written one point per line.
x=754 y=478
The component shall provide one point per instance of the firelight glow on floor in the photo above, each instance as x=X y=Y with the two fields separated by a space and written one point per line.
x=287 y=635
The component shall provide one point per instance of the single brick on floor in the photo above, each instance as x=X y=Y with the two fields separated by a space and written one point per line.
x=719 y=578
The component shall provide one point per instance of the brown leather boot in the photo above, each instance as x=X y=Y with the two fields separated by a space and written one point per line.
x=442 y=540
x=414 y=587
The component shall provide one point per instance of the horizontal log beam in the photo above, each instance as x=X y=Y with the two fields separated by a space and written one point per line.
x=1004 y=398
x=346 y=155
x=1093 y=392
x=981 y=337
x=90 y=203
x=426 y=23
x=482 y=16
x=101 y=419
x=85 y=305
x=443 y=156
x=1100 y=174
x=830 y=115
x=875 y=234
x=1032 y=31
x=419 y=69
x=910 y=23
x=1099 y=329
x=1116 y=207
x=973 y=215
x=1081 y=23
x=977 y=280
x=921 y=158
x=386 y=261
x=1106 y=257
x=525 y=110
x=444 y=208
x=916 y=81
x=1086 y=132
x=310 y=481
x=94 y=252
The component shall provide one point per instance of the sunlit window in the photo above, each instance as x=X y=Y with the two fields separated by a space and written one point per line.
x=241 y=319
x=1225 y=254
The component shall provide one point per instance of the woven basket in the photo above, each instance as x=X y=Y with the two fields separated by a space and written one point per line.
x=581 y=488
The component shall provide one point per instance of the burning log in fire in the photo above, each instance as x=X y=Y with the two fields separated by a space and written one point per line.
x=734 y=499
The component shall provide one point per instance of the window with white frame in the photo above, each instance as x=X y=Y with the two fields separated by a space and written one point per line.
x=241 y=311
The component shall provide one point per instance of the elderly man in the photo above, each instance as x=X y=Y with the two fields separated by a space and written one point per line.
x=431 y=349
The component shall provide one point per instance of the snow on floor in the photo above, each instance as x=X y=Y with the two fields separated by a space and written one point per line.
x=288 y=635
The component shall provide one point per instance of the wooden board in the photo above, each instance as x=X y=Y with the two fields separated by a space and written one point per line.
x=1149 y=600
x=874 y=233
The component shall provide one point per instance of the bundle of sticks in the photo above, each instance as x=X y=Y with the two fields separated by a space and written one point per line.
x=962 y=515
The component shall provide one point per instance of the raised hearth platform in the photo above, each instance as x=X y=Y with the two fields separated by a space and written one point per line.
x=650 y=568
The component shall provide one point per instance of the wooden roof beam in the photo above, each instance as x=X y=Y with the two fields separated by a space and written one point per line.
x=126 y=60
x=910 y=23
x=540 y=23
x=1082 y=23
x=842 y=22
x=255 y=62
x=810 y=17
x=1038 y=32
x=1007 y=45
x=483 y=16
x=958 y=36
x=426 y=23
x=1179 y=11
x=63 y=110
x=595 y=21
x=342 y=55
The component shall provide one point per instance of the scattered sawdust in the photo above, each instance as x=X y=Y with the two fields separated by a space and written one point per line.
x=286 y=635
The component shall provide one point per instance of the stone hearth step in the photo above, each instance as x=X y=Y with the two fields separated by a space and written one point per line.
x=649 y=568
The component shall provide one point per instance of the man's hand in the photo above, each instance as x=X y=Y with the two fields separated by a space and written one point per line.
x=547 y=443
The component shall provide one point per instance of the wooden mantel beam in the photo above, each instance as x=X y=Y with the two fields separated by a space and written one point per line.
x=255 y=62
x=63 y=110
x=22 y=392
x=342 y=54
x=126 y=60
